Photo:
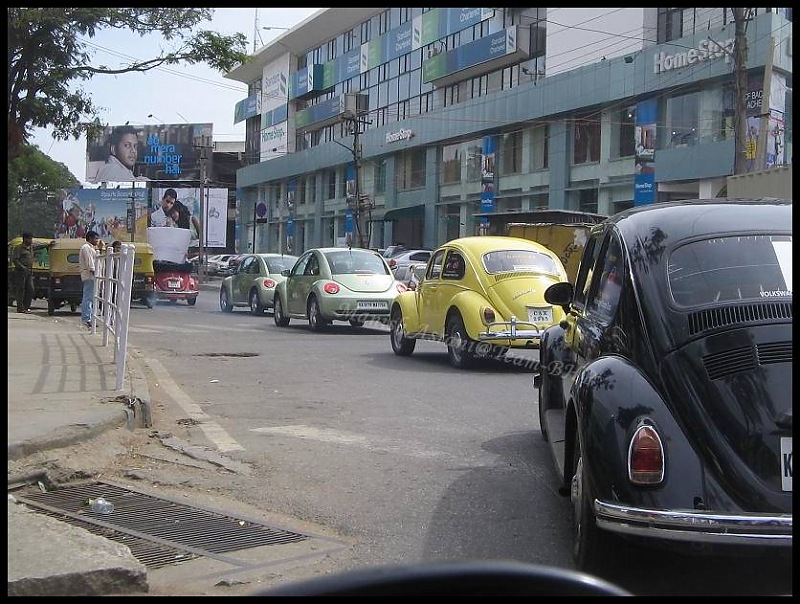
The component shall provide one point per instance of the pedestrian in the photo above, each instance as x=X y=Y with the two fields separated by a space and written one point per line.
x=23 y=265
x=87 y=262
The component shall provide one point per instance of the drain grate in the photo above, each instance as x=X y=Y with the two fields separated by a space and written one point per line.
x=158 y=531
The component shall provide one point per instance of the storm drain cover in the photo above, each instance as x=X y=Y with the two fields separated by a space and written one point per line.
x=158 y=531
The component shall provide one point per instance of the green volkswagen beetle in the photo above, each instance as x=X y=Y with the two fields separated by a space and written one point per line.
x=336 y=284
x=254 y=282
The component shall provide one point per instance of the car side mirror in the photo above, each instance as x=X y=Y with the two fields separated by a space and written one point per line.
x=560 y=294
x=285 y=272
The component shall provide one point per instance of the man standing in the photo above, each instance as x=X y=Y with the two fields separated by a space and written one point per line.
x=86 y=262
x=23 y=265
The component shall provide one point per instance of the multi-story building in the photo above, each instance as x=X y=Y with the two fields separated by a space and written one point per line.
x=413 y=125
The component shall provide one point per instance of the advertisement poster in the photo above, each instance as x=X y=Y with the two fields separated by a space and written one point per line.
x=644 y=179
x=105 y=211
x=181 y=208
x=159 y=152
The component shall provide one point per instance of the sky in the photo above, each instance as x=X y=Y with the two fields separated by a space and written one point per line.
x=174 y=94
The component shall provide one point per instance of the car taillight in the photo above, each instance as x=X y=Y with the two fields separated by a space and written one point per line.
x=331 y=288
x=401 y=287
x=646 y=457
x=488 y=315
x=392 y=263
x=269 y=283
x=148 y=279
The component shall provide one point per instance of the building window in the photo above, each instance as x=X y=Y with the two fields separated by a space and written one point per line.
x=451 y=164
x=511 y=153
x=669 y=25
x=474 y=160
x=312 y=188
x=379 y=175
x=587 y=200
x=627 y=132
x=331 y=175
x=681 y=120
x=301 y=191
x=586 y=140
x=410 y=170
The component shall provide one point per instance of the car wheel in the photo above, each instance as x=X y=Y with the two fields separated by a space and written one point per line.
x=357 y=322
x=256 y=308
x=401 y=345
x=280 y=319
x=73 y=307
x=191 y=301
x=315 y=320
x=590 y=545
x=460 y=348
x=225 y=304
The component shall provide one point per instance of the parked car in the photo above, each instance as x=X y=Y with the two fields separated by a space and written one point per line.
x=218 y=264
x=253 y=284
x=666 y=393
x=480 y=296
x=336 y=284
x=393 y=250
x=409 y=257
x=410 y=274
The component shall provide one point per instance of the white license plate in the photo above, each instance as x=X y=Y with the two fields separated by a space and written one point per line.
x=372 y=305
x=540 y=315
x=786 y=463
x=174 y=283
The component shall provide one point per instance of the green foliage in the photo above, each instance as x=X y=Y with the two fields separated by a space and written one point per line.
x=34 y=185
x=49 y=58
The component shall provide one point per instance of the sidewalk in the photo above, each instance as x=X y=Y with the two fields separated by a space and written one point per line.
x=61 y=382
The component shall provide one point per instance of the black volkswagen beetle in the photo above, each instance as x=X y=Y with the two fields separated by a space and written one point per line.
x=665 y=394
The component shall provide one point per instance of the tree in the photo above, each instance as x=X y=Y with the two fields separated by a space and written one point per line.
x=49 y=55
x=34 y=181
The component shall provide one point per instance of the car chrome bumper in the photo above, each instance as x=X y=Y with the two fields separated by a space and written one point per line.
x=510 y=330
x=696 y=526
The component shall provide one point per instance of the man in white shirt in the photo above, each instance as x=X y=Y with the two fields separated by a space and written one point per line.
x=86 y=262
x=123 y=153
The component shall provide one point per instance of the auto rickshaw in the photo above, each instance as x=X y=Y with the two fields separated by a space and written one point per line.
x=64 y=286
x=143 y=275
x=40 y=271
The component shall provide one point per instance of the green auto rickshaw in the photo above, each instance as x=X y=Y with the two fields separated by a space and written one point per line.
x=64 y=285
x=40 y=271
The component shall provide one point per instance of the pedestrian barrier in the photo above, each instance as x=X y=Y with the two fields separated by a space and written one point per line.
x=112 y=302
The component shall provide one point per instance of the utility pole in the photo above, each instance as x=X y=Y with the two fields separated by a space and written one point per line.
x=740 y=87
x=359 y=205
x=203 y=143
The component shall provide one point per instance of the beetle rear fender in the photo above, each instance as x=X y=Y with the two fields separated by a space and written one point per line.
x=556 y=359
x=612 y=398
x=468 y=304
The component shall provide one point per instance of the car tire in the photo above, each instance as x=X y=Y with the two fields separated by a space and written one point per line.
x=592 y=549
x=357 y=322
x=460 y=347
x=191 y=301
x=73 y=307
x=315 y=320
x=225 y=304
x=256 y=308
x=281 y=320
x=401 y=345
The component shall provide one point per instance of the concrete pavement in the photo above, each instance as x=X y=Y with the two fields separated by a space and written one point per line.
x=61 y=382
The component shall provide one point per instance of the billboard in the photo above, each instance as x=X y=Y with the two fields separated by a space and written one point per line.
x=157 y=152
x=644 y=179
x=181 y=208
x=106 y=211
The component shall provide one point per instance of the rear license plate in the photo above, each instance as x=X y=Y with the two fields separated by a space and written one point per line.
x=174 y=283
x=786 y=463
x=372 y=305
x=540 y=315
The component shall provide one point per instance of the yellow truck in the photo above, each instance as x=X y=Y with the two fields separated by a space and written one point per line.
x=566 y=240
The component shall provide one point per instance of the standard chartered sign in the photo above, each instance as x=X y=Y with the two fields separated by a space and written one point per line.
x=707 y=50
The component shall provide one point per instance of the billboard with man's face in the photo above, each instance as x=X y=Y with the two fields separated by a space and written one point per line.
x=157 y=152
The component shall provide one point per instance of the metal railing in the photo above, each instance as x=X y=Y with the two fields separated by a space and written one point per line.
x=112 y=302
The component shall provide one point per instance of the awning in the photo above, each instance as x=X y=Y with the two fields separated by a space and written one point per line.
x=417 y=211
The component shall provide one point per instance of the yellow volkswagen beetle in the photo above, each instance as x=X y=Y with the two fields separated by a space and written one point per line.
x=480 y=296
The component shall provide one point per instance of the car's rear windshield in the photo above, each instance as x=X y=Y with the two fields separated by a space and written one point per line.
x=507 y=261
x=276 y=265
x=729 y=269
x=351 y=262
